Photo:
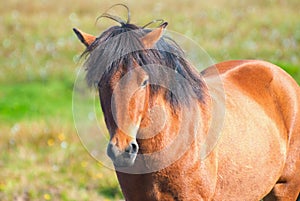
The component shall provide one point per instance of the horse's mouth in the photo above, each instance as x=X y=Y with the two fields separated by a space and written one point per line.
x=120 y=158
x=124 y=160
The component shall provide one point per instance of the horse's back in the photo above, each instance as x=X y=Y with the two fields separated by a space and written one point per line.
x=261 y=134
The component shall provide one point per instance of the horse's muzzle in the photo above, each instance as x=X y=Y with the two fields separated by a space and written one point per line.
x=123 y=158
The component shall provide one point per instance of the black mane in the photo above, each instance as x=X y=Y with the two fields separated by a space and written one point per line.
x=119 y=46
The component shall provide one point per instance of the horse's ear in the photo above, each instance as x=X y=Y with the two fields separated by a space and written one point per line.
x=86 y=39
x=151 y=38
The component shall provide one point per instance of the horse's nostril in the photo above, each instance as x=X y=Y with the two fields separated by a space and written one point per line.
x=132 y=148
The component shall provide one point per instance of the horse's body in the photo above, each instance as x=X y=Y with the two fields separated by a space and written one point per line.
x=257 y=154
x=258 y=147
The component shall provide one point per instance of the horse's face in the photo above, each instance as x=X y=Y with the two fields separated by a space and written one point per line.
x=124 y=99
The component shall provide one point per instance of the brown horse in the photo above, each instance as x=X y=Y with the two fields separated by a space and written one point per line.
x=160 y=113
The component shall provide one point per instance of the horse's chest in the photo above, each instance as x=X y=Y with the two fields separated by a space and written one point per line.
x=179 y=184
x=172 y=189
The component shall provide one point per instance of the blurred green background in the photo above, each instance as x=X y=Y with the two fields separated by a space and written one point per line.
x=41 y=157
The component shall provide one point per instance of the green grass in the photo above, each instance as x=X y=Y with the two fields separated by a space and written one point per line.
x=35 y=99
x=40 y=152
x=48 y=161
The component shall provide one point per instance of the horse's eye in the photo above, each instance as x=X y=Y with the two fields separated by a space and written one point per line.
x=144 y=83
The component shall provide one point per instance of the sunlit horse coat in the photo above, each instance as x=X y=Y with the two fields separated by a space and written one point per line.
x=257 y=155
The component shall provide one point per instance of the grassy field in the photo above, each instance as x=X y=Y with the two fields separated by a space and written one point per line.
x=41 y=156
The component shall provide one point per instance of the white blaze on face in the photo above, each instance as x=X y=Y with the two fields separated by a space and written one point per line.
x=128 y=101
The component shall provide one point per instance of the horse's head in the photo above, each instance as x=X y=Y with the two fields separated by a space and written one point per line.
x=114 y=65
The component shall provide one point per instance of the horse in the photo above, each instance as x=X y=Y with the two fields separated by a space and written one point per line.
x=159 y=112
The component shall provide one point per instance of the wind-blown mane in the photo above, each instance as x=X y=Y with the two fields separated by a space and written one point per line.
x=120 y=46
